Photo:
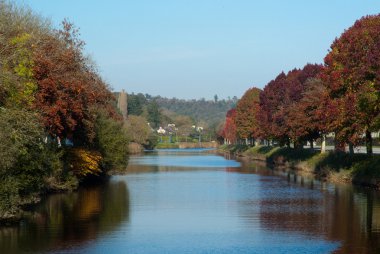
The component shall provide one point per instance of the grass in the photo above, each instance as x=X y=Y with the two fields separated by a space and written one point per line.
x=167 y=146
x=236 y=149
x=359 y=168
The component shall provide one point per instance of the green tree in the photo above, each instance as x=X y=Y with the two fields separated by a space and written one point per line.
x=136 y=103
x=154 y=114
x=26 y=161
x=112 y=141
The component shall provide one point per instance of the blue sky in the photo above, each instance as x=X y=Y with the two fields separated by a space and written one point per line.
x=198 y=48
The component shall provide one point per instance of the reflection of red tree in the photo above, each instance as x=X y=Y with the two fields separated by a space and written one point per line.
x=342 y=215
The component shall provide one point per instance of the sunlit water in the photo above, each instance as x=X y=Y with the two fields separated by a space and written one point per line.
x=192 y=201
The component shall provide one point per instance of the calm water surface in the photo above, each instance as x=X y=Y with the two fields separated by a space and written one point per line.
x=192 y=201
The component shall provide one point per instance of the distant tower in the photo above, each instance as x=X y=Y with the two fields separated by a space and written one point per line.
x=122 y=104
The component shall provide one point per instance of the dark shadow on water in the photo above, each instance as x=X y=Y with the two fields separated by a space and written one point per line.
x=65 y=220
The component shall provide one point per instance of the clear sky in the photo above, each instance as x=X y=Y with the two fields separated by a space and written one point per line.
x=198 y=48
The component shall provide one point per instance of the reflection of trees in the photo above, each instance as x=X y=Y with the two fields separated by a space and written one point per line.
x=341 y=214
x=65 y=220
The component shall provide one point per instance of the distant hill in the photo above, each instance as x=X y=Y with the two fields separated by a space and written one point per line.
x=208 y=112
x=211 y=112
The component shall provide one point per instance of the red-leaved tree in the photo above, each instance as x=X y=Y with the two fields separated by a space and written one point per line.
x=352 y=79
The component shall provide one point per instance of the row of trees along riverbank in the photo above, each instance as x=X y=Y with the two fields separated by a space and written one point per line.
x=340 y=98
x=58 y=122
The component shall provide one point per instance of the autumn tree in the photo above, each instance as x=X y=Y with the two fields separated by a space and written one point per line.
x=305 y=115
x=275 y=100
x=229 y=129
x=352 y=78
x=67 y=86
x=286 y=105
x=247 y=125
x=306 y=118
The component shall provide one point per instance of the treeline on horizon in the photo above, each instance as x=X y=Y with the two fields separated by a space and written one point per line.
x=58 y=119
x=160 y=112
x=340 y=97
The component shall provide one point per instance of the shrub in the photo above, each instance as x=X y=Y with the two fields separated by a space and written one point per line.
x=112 y=142
x=24 y=158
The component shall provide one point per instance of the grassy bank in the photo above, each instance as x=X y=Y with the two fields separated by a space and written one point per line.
x=186 y=145
x=359 y=169
x=167 y=146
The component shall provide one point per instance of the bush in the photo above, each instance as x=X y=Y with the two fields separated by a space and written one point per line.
x=25 y=159
x=151 y=142
x=112 y=142
x=84 y=162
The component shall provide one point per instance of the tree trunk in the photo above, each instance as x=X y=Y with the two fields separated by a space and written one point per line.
x=288 y=143
x=368 y=142
x=351 y=148
x=311 y=144
x=323 y=145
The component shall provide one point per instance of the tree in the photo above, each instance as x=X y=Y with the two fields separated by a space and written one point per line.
x=138 y=129
x=111 y=140
x=136 y=103
x=275 y=100
x=284 y=109
x=352 y=79
x=247 y=109
x=26 y=160
x=229 y=128
x=305 y=118
x=154 y=114
x=67 y=86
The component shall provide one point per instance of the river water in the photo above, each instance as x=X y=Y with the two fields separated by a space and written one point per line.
x=192 y=201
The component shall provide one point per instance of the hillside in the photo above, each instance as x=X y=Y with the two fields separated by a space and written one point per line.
x=210 y=112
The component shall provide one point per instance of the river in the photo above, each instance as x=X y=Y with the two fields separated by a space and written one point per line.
x=193 y=201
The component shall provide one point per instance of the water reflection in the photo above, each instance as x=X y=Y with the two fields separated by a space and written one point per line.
x=343 y=214
x=67 y=220
x=196 y=208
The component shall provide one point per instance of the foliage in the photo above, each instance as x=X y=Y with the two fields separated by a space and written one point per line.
x=229 y=128
x=112 y=141
x=152 y=141
x=154 y=114
x=138 y=129
x=136 y=104
x=290 y=106
x=247 y=125
x=352 y=77
x=84 y=162
x=26 y=160
x=210 y=112
x=67 y=86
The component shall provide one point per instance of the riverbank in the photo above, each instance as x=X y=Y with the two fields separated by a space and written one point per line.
x=186 y=145
x=358 y=169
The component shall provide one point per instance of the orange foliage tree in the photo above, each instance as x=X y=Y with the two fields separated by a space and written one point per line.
x=247 y=125
x=68 y=87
